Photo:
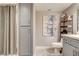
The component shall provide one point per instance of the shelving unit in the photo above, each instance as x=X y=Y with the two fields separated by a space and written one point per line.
x=66 y=24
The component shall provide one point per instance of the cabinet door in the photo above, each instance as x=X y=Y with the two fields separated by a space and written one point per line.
x=24 y=41
x=68 y=49
x=24 y=14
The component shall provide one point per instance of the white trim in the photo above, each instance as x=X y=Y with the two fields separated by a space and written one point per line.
x=34 y=27
x=17 y=27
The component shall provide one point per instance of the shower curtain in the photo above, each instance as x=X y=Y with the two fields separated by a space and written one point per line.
x=7 y=30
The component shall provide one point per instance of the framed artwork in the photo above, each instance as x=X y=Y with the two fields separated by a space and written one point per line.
x=48 y=25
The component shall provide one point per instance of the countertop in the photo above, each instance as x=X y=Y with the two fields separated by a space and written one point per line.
x=74 y=36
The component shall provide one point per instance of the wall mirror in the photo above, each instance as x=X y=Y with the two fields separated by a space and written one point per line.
x=48 y=25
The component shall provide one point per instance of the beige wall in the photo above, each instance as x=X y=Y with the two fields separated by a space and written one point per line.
x=40 y=39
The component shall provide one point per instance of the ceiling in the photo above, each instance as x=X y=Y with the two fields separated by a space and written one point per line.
x=56 y=7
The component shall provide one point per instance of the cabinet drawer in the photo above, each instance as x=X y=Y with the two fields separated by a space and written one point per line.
x=67 y=39
x=73 y=42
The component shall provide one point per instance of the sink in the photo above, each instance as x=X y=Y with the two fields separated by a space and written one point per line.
x=57 y=45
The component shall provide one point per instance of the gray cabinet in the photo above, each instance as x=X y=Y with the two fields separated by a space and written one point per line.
x=70 y=46
x=25 y=29
x=68 y=49
x=24 y=41
x=25 y=10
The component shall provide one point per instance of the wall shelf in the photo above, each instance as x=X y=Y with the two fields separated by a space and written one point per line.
x=66 y=24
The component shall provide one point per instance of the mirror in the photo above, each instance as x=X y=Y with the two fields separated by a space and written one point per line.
x=48 y=25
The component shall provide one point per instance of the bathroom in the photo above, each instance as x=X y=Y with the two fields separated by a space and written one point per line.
x=45 y=44
x=35 y=29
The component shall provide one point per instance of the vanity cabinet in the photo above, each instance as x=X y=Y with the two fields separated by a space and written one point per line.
x=68 y=49
x=70 y=46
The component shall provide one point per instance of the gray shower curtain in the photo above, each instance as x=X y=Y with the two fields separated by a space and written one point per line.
x=7 y=30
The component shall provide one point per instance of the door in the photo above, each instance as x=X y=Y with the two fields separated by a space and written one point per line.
x=24 y=41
